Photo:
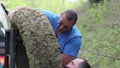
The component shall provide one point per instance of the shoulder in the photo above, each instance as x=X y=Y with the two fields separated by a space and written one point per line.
x=73 y=32
x=52 y=17
x=76 y=31
x=72 y=35
x=50 y=14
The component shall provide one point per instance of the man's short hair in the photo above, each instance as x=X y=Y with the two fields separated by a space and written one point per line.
x=84 y=64
x=71 y=15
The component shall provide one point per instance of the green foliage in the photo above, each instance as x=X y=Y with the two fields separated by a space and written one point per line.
x=101 y=35
x=95 y=1
x=96 y=12
x=55 y=5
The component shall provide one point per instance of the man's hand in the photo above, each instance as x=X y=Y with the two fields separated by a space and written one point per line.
x=66 y=59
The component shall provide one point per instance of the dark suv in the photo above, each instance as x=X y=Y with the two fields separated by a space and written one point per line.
x=4 y=24
x=2 y=44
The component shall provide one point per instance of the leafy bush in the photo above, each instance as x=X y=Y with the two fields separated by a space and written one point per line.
x=101 y=35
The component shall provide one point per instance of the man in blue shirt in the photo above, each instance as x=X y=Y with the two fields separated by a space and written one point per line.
x=68 y=35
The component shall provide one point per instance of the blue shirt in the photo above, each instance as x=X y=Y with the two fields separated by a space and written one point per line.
x=1 y=65
x=69 y=41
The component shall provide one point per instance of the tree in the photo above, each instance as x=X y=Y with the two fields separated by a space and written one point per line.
x=95 y=1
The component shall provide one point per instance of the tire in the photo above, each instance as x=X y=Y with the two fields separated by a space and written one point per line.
x=39 y=48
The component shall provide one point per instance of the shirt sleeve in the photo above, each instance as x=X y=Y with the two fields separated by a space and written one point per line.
x=73 y=46
x=52 y=17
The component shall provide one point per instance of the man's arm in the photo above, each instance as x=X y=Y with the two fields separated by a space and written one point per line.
x=71 y=50
x=66 y=59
